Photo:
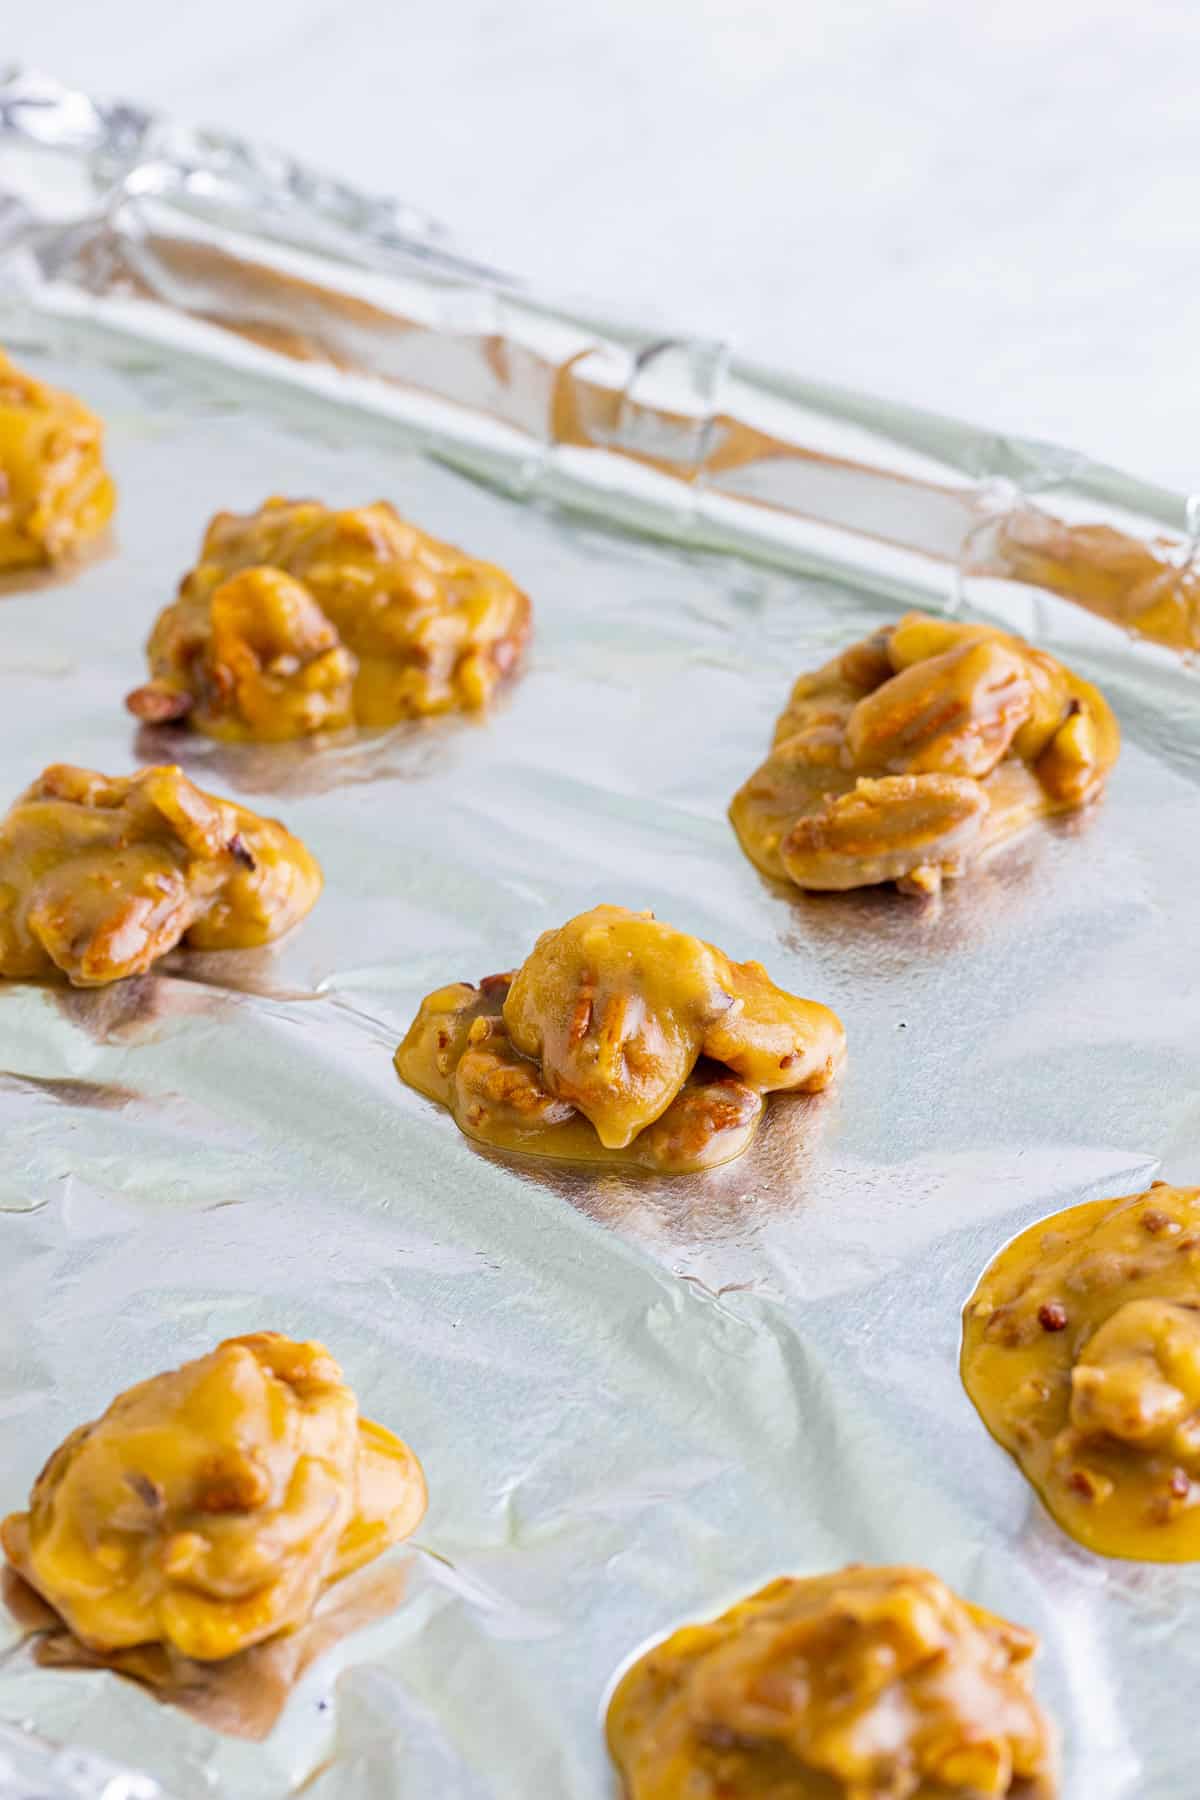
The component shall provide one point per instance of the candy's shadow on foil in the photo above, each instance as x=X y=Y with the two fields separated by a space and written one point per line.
x=124 y=1012
x=892 y=930
x=94 y=1096
x=719 y=1208
x=412 y=751
x=14 y=582
x=242 y=1697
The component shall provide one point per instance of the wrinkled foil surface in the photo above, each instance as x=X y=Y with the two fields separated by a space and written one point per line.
x=635 y=1398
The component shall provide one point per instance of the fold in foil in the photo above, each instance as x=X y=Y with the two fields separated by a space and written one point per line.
x=157 y=228
x=635 y=1398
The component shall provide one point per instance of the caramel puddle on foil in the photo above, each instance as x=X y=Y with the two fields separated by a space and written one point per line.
x=241 y=1697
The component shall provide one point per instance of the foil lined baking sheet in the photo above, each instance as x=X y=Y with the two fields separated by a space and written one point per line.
x=635 y=1398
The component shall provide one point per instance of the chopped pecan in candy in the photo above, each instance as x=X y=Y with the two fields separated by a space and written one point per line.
x=1098 y=1395
x=619 y=1039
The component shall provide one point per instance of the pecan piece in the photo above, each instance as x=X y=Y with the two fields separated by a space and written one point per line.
x=492 y=1078
x=954 y=714
x=886 y=830
x=158 y=703
x=1075 y=763
x=231 y=1482
x=690 y=1131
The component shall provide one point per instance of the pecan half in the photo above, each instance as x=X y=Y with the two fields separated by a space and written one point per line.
x=954 y=714
x=159 y=704
x=886 y=830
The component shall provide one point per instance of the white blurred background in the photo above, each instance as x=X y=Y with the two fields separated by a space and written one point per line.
x=986 y=208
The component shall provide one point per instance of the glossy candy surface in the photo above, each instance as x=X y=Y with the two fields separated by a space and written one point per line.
x=1082 y=1352
x=101 y=875
x=299 y=619
x=56 y=495
x=915 y=751
x=867 y=1684
x=620 y=1039
x=209 y=1506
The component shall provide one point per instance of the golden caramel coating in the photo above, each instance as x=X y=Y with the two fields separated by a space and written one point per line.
x=622 y=1040
x=1081 y=1350
x=101 y=875
x=299 y=619
x=55 y=493
x=915 y=751
x=210 y=1506
x=869 y=1684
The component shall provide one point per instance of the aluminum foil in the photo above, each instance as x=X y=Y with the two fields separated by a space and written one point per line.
x=635 y=1398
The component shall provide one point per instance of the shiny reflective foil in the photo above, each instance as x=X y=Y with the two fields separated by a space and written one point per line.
x=635 y=1398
